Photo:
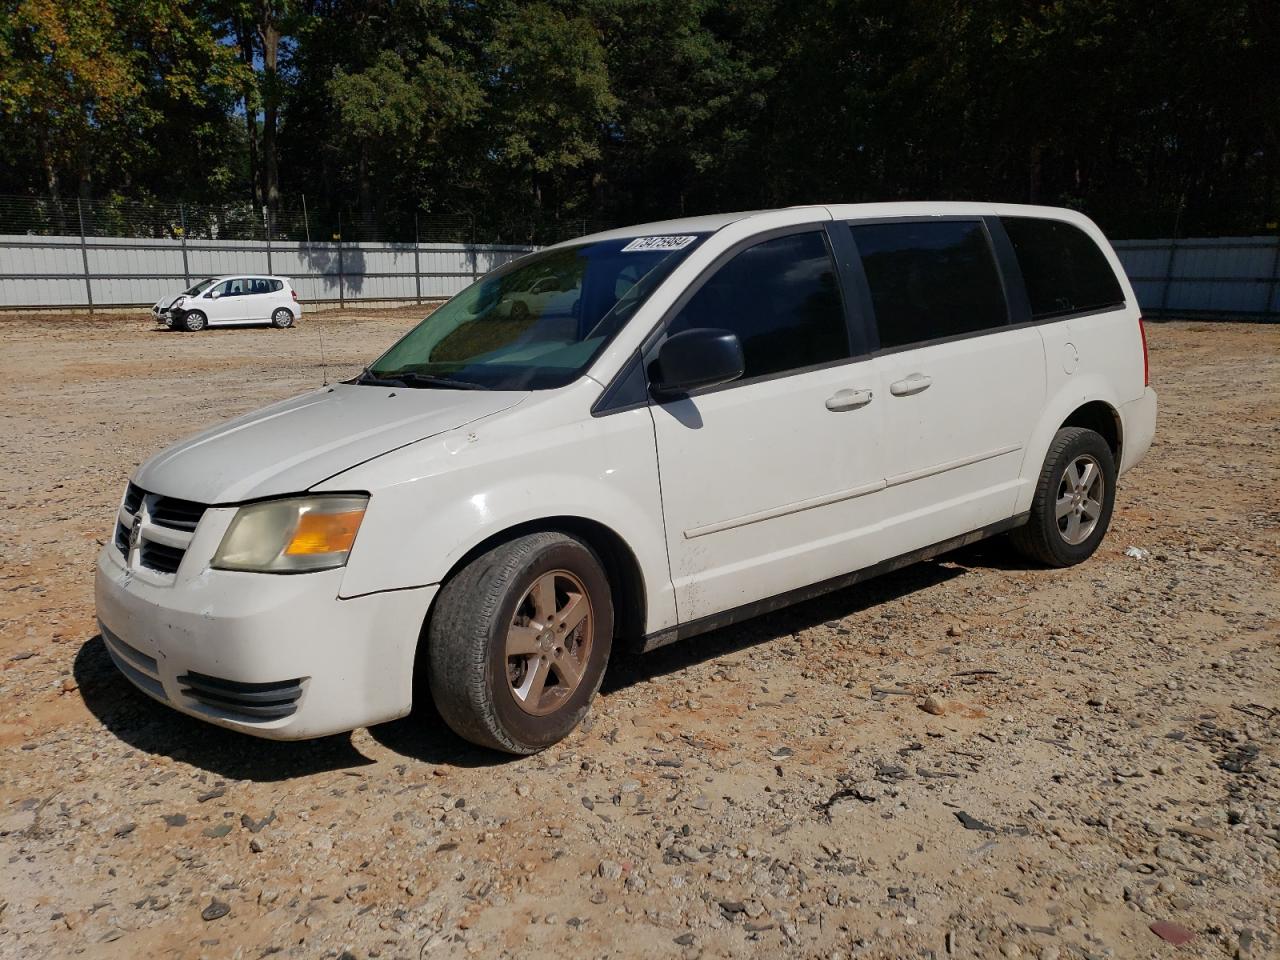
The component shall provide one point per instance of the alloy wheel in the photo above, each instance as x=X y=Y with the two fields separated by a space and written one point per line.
x=549 y=642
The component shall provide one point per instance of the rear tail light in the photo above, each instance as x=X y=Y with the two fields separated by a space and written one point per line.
x=295 y=300
x=1146 y=358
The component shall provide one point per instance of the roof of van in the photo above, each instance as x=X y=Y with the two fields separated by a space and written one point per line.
x=841 y=211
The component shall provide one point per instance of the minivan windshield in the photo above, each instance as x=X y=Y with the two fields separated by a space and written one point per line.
x=200 y=287
x=535 y=323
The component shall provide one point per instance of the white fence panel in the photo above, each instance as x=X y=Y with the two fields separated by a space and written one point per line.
x=1211 y=277
x=50 y=272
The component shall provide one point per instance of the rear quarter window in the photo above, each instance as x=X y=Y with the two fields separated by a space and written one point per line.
x=1063 y=269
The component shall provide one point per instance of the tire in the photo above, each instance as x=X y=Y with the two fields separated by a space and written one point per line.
x=193 y=321
x=476 y=680
x=1070 y=539
x=282 y=318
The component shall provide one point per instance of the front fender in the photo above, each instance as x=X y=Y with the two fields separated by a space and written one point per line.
x=1071 y=396
x=435 y=501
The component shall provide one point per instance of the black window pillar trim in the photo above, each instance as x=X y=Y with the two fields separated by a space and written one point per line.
x=864 y=338
x=1015 y=288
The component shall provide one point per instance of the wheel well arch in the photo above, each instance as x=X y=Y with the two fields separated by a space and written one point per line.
x=620 y=564
x=1103 y=419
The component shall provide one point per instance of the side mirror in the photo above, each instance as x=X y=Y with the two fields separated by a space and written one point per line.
x=701 y=357
x=213 y=294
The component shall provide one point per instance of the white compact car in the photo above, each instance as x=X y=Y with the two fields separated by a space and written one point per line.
x=230 y=301
x=710 y=418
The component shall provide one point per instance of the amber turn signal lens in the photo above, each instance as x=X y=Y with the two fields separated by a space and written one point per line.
x=324 y=532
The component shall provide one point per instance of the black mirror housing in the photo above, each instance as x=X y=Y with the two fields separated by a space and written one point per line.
x=693 y=359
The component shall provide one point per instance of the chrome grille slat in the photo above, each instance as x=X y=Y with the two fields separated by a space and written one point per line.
x=175 y=513
x=132 y=499
x=160 y=556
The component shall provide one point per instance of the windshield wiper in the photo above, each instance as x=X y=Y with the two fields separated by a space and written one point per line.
x=411 y=379
x=366 y=378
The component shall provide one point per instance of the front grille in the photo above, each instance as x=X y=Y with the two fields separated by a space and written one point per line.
x=176 y=514
x=160 y=556
x=246 y=701
x=167 y=526
x=132 y=499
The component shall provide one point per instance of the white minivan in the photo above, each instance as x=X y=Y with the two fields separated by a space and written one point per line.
x=681 y=425
x=231 y=300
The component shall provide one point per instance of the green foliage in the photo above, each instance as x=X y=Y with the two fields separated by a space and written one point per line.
x=524 y=114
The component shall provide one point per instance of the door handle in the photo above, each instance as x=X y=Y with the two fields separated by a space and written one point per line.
x=848 y=400
x=915 y=383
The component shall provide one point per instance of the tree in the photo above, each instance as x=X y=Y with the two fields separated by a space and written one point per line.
x=85 y=84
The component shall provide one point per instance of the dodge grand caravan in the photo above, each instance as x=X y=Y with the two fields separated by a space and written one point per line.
x=688 y=424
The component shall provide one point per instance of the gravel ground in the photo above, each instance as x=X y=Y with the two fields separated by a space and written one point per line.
x=965 y=758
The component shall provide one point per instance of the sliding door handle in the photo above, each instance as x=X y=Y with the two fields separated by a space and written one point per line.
x=915 y=383
x=848 y=400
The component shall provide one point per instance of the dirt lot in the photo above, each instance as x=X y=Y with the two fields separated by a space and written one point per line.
x=1105 y=757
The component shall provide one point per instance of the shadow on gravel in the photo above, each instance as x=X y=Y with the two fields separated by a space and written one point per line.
x=156 y=729
x=424 y=736
x=634 y=668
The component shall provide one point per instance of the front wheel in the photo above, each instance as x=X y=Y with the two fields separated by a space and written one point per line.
x=1074 y=497
x=194 y=321
x=518 y=642
x=282 y=318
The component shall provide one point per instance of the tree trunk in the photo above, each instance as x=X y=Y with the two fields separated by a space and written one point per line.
x=269 y=36
x=245 y=37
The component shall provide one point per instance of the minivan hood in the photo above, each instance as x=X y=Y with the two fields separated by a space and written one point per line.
x=291 y=446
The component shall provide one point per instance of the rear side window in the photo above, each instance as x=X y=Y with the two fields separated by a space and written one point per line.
x=276 y=286
x=1062 y=267
x=782 y=299
x=930 y=280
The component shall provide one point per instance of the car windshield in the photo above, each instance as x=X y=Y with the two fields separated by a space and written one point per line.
x=536 y=323
x=200 y=287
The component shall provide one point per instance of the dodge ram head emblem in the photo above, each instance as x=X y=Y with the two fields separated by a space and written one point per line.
x=135 y=534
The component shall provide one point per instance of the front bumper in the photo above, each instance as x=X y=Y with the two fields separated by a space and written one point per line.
x=274 y=656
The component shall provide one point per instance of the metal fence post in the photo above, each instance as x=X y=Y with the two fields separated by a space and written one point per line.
x=1274 y=285
x=417 y=268
x=342 y=300
x=1168 y=275
x=84 y=256
x=182 y=225
x=266 y=222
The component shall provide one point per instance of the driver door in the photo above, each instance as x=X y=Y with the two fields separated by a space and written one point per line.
x=771 y=483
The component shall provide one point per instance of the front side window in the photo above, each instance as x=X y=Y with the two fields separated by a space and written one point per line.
x=781 y=297
x=930 y=280
x=230 y=288
x=535 y=323
x=200 y=287
x=1063 y=269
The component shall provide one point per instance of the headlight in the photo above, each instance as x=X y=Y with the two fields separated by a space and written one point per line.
x=292 y=536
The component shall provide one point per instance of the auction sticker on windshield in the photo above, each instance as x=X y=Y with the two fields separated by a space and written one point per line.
x=658 y=243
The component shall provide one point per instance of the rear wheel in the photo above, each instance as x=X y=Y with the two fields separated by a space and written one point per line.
x=282 y=318
x=518 y=642
x=1073 y=501
x=194 y=321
